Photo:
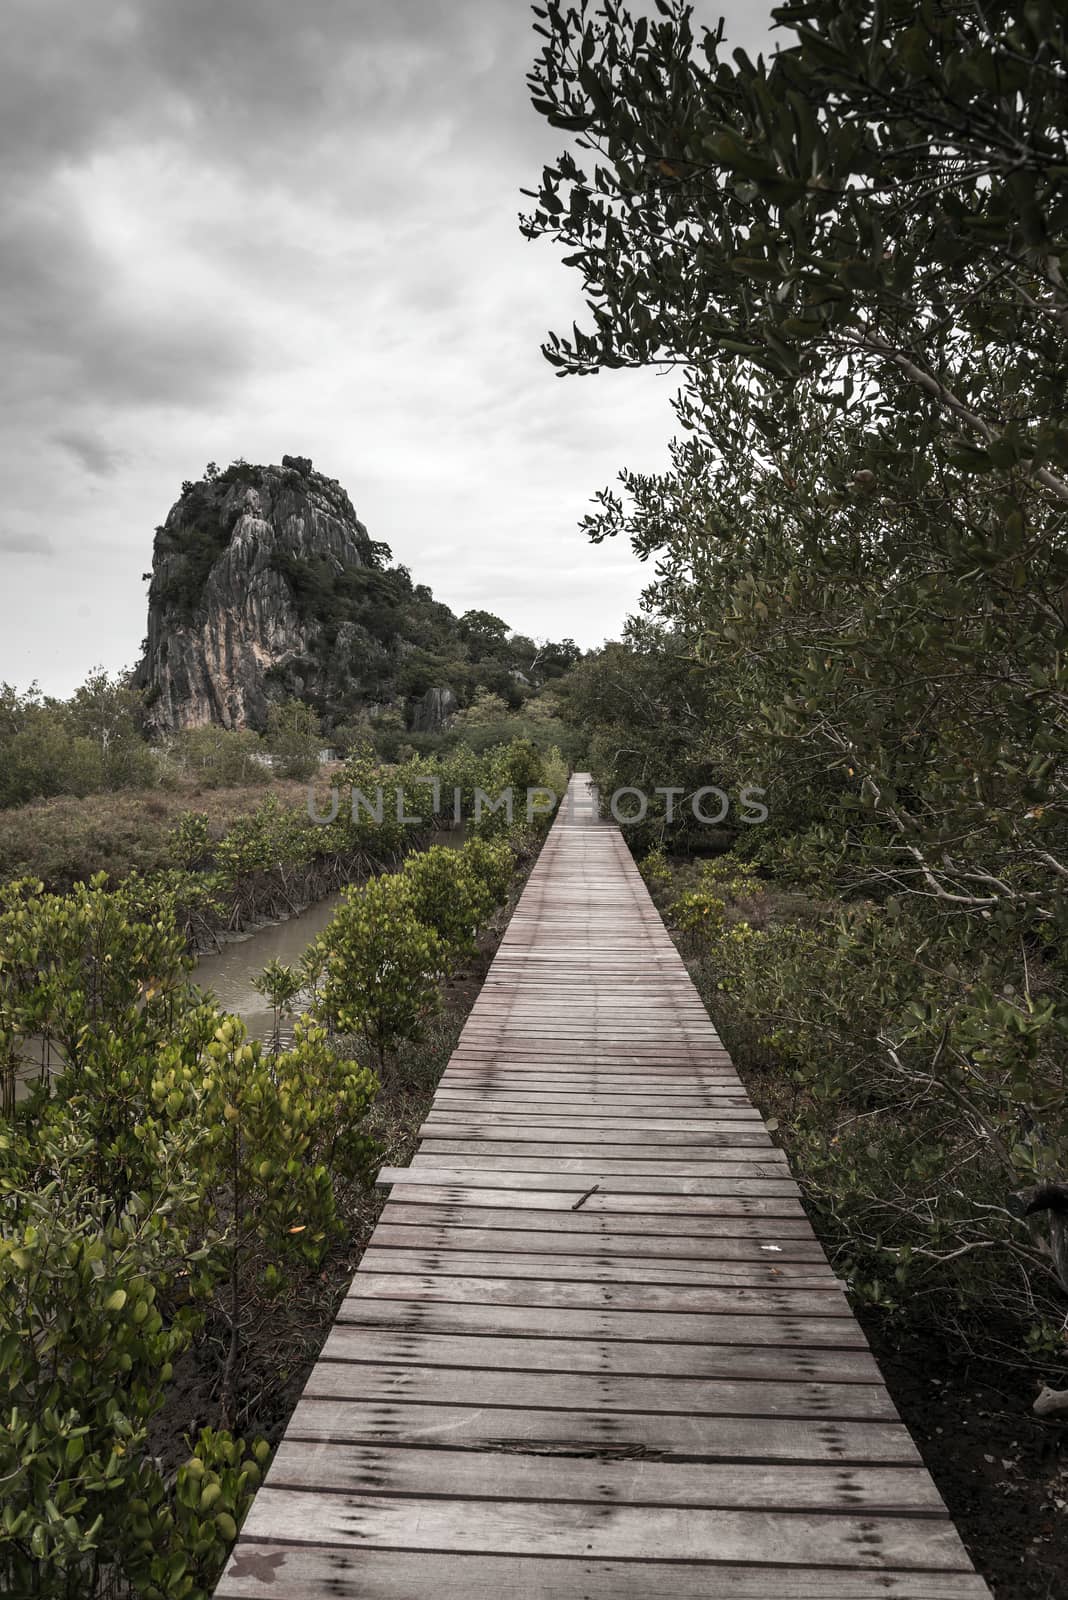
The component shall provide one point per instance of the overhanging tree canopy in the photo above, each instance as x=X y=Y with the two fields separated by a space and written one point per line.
x=887 y=195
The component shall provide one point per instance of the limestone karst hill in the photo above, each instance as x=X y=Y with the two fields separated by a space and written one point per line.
x=265 y=584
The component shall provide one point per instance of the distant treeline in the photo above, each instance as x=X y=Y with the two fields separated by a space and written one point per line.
x=93 y=742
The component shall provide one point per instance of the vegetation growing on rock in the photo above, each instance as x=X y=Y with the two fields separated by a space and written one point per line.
x=266 y=586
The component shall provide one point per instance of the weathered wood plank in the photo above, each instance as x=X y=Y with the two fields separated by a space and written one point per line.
x=690 y=1397
x=769 y=1197
x=523 y=1122
x=360 y=1340
x=264 y=1569
x=598 y=1114
x=791 y=1238
x=779 y=1217
x=267 y=1570
x=451 y=1249
x=599 y=1104
x=745 y=1174
x=790 y=1331
x=477 y=1474
x=649 y=1533
x=582 y=1066
x=617 y=1143
x=646 y=1297
x=720 y=1438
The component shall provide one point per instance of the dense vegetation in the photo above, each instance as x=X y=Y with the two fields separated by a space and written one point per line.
x=171 y=1188
x=362 y=612
x=93 y=743
x=855 y=253
x=79 y=746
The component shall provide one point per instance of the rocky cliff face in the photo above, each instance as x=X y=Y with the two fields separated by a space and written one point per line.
x=265 y=584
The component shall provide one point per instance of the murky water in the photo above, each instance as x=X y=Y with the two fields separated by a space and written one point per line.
x=228 y=973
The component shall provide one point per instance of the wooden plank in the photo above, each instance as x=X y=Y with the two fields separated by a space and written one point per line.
x=792 y=1238
x=720 y=1156
x=736 y=1168
x=688 y=1397
x=611 y=1078
x=487 y=1101
x=636 y=1031
x=532 y=1083
x=425 y=1313
x=575 y=1063
x=489 y=1290
x=714 y=1135
x=460 y=1256
x=637 y=1092
x=449 y=1249
x=768 y=1197
x=563 y=1015
x=597 y=1103
x=777 y=1216
x=713 y=1240
x=591 y=1048
x=736 y=1121
x=626 y=1155
x=618 y=1056
x=365 y=1469
x=363 y=1341
x=650 y=1533
x=697 y=1438
x=586 y=1064
x=264 y=1569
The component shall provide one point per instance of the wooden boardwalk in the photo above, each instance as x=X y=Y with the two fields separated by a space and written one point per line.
x=594 y=1349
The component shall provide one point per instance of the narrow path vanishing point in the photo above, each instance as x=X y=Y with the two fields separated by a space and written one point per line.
x=594 y=1349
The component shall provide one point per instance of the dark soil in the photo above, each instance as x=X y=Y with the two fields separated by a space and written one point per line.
x=1002 y=1471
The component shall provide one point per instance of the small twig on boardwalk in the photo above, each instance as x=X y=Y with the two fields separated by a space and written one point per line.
x=581 y=1201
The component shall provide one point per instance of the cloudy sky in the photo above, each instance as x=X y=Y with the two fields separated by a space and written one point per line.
x=249 y=227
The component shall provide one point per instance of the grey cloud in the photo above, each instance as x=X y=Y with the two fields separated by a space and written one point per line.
x=19 y=542
x=258 y=226
x=65 y=325
x=99 y=459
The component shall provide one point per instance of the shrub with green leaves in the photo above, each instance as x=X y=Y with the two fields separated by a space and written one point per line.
x=78 y=972
x=90 y=1325
x=179 y=1539
x=493 y=862
x=448 y=897
x=293 y=738
x=189 y=843
x=283 y=1131
x=703 y=907
x=917 y=1088
x=382 y=965
x=166 y=1184
x=456 y=890
x=217 y=757
x=655 y=869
